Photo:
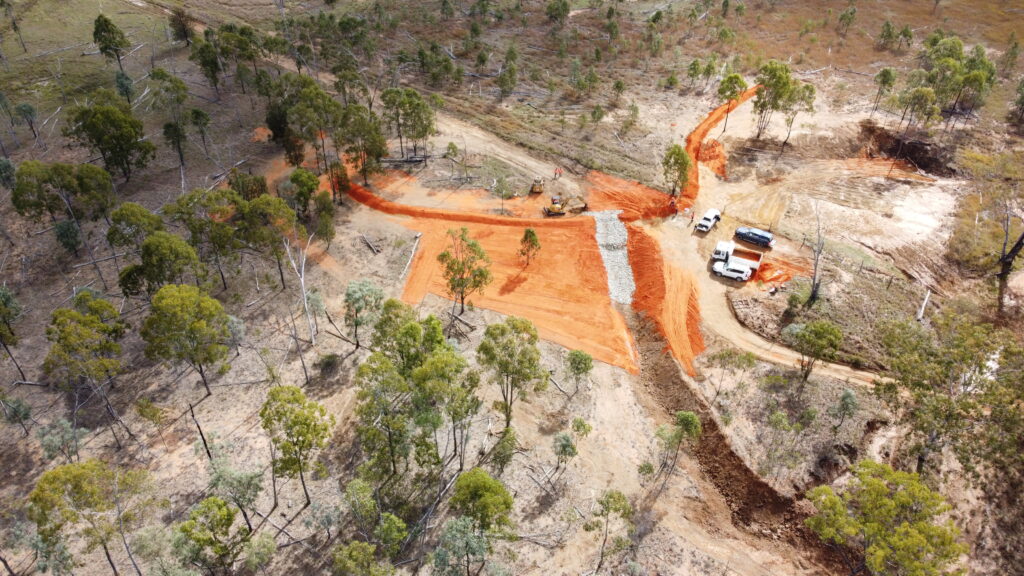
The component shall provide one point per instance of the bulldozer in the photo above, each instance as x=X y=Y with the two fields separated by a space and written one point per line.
x=538 y=186
x=562 y=205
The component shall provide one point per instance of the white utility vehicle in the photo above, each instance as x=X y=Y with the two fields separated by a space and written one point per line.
x=708 y=221
x=730 y=270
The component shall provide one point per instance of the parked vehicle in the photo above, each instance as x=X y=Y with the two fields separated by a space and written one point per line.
x=730 y=270
x=708 y=221
x=727 y=251
x=756 y=236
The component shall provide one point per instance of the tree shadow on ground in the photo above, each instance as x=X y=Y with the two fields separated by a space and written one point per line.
x=513 y=283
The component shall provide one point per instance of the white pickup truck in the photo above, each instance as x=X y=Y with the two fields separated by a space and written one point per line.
x=728 y=252
x=708 y=221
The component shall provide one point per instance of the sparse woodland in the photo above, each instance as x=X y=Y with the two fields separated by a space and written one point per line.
x=209 y=364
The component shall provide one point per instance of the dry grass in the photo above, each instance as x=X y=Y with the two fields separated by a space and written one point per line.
x=58 y=35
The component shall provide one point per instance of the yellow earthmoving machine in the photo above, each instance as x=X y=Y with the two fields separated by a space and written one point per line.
x=562 y=205
x=538 y=186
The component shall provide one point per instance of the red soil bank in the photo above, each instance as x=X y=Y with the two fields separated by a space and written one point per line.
x=885 y=168
x=712 y=155
x=696 y=138
x=667 y=295
x=364 y=196
x=637 y=202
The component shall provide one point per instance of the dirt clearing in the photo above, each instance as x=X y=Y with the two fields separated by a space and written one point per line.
x=566 y=298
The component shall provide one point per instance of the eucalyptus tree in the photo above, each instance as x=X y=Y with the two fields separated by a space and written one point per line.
x=730 y=89
x=509 y=352
x=185 y=325
x=212 y=218
x=92 y=500
x=108 y=128
x=298 y=428
x=110 y=39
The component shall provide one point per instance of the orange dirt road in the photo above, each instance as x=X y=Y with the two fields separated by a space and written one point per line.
x=667 y=295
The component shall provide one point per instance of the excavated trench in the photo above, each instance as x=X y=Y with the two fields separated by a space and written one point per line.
x=928 y=156
x=756 y=507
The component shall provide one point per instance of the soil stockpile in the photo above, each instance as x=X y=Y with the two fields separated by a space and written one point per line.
x=636 y=201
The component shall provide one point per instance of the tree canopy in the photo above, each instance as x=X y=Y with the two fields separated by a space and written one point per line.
x=483 y=498
x=465 y=266
x=110 y=40
x=815 y=341
x=90 y=499
x=209 y=537
x=509 y=351
x=84 y=341
x=676 y=165
x=363 y=300
x=185 y=325
x=298 y=427
x=955 y=385
x=891 y=520
x=111 y=131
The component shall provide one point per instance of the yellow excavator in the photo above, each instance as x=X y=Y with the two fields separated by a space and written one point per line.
x=562 y=205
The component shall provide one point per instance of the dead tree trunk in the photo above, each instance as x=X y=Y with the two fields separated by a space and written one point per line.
x=299 y=267
x=1005 y=267
x=10 y=571
x=818 y=248
x=106 y=552
x=16 y=365
x=202 y=436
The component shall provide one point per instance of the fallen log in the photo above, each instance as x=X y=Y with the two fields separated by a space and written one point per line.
x=370 y=244
x=412 y=255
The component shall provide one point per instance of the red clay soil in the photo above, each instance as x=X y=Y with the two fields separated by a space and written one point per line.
x=564 y=292
x=261 y=134
x=774 y=272
x=712 y=155
x=637 y=202
x=695 y=140
x=667 y=295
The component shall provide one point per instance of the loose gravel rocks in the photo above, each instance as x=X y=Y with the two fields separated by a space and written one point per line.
x=611 y=241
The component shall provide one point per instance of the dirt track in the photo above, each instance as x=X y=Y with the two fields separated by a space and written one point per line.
x=695 y=145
